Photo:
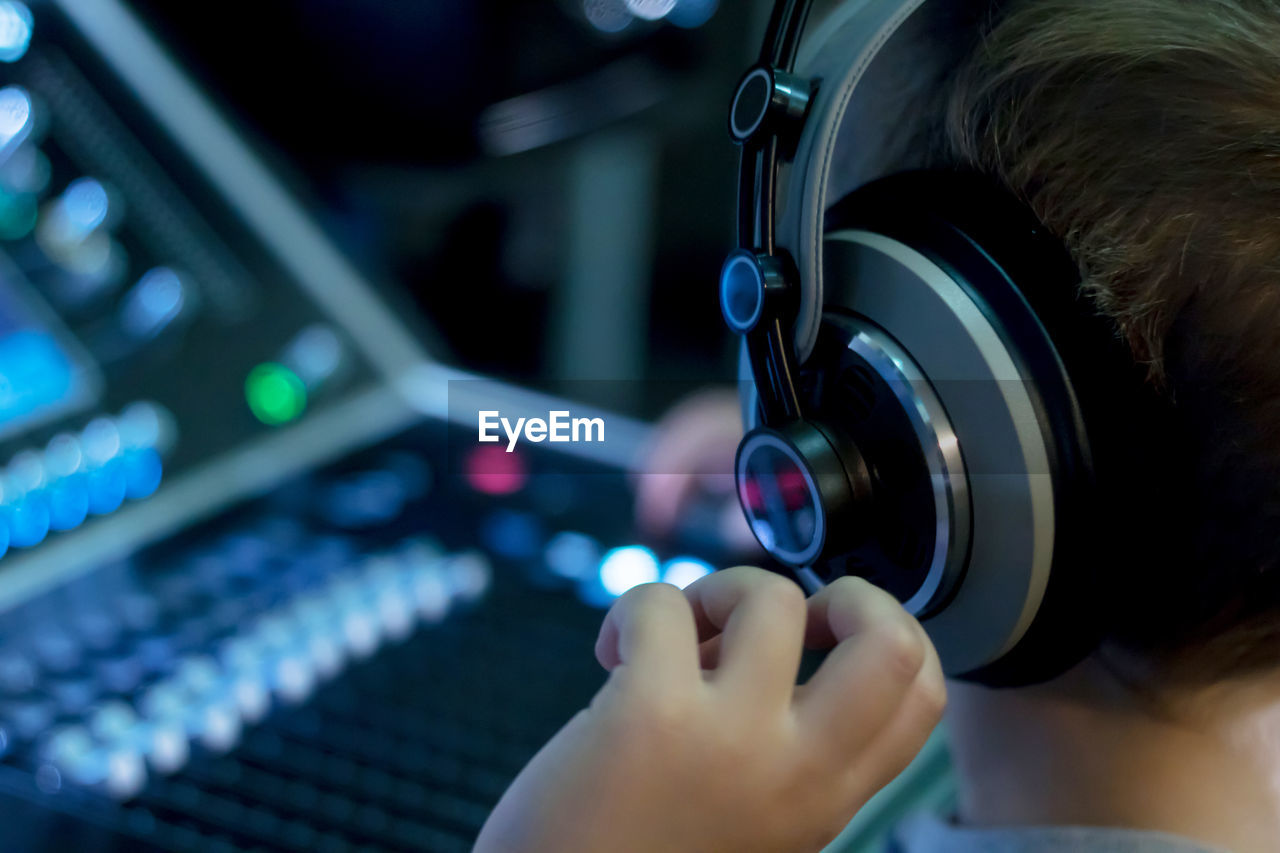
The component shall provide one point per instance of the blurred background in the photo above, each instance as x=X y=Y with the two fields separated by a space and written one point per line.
x=260 y=588
x=509 y=169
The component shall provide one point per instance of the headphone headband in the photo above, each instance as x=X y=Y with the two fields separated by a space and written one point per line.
x=958 y=473
x=858 y=32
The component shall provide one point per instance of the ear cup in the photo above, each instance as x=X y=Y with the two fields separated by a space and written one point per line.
x=1044 y=400
x=915 y=526
x=1090 y=404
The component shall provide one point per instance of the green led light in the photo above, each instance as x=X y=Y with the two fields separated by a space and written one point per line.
x=275 y=393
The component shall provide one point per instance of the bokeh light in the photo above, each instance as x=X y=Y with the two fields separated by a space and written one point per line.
x=692 y=13
x=607 y=16
x=491 y=470
x=275 y=394
x=683 y=571
x=651 y=10
x=627 y=567
x=15 y=114
x=15 y=31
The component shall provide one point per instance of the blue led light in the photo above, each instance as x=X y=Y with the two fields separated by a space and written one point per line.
x=572 y=555
x=692 y=13
x=28 y=521
x=683 y=571
x=142 y=473
x=15 y=31
x=364 y=500
x=153 y=303
x=4 y=546
x=68 y=500
x=514 y=535
x=37 y=371
x=626 y=567
x=15 y=116
x=85 y=204
x=107 y=485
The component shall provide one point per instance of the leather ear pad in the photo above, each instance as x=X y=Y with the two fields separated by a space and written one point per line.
x=1086 y=390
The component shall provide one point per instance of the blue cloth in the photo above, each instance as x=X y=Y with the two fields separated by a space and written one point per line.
x=930 y=834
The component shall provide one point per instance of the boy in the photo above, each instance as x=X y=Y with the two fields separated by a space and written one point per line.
x=1146 y=135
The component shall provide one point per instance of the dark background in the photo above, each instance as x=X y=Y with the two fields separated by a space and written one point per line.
x=382 y=112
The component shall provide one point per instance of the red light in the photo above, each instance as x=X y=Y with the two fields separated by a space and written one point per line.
x=792 y=487
x=494 y=471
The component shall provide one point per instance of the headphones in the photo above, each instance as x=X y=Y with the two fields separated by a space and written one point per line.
x=932 y=404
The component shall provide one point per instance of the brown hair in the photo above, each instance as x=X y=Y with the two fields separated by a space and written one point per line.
x=1146 y=135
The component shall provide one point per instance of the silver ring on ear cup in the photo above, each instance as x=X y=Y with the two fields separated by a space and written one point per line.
x=992 y=410
x=941 y=448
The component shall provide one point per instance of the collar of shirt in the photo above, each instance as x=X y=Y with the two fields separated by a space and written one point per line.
x=930 y=834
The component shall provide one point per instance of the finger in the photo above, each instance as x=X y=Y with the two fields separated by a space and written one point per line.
x=878 y=655
x=709 y=653
x=649 y=632
x=902 y=739
x=760 y=618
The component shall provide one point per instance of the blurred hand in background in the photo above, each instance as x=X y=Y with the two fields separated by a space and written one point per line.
x=684 y=483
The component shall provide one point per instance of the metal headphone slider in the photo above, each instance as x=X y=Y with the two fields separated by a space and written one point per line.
x=754 y=286
x=769 y=102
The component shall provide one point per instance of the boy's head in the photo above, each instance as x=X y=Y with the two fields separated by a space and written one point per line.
x=1146 y=135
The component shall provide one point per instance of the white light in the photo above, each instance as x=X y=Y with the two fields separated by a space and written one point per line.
x=623 y=568
x=100 y=440
x=126 y=774
x=325 y=653
x=431 y=593
x=470 y=574
x=294 y=679
x=62 y=455
x=27 y=470
x=145 y=424
x=113 y=720
x=15 y=31
x=607 y=16
x=361 y=633
x=163 y=700
x=397 y=618
x=651 y=10
x=15 y=115
x=251 y=698
x=169 y=748
x=219 y=727
x=683 y=571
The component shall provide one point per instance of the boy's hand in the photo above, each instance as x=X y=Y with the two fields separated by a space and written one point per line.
x=701 y=741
